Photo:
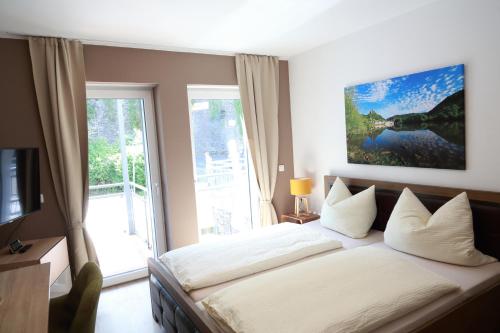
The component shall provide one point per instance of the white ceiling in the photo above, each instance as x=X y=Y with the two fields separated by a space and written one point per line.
x=276 y=27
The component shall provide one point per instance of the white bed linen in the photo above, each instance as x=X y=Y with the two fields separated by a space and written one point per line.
x=472 y=281
x=373 y=236
x=447 y=235
x=356 y=290
x=206 y=264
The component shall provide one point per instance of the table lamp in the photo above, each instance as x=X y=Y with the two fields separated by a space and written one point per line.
x=300 y=187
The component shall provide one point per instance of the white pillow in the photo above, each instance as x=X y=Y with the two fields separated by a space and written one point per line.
x=446 y=236
x=351 y=215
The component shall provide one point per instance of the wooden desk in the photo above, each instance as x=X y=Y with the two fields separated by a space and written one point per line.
x=24 y=299
x=53 y=250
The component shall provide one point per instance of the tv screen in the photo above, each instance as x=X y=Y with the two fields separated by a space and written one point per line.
x=19 y=183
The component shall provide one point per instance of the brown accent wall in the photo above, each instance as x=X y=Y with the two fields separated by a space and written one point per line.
x=20 y=127
x=283 y=201
x=171 y=72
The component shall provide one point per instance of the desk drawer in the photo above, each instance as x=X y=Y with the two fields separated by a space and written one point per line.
x=57 y=256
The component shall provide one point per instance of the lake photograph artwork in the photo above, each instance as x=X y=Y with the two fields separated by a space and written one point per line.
x=415 y=120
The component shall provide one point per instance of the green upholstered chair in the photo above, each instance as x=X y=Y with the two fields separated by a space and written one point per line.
x=76 y=311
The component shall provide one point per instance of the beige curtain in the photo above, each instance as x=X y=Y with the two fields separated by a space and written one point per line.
x=258 y=78
x=59 y=76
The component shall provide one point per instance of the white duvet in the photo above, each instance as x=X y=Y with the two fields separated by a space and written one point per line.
x=350 y=291
x=207 y=264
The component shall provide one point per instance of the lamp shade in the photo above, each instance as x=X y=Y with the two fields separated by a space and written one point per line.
x=300 y=186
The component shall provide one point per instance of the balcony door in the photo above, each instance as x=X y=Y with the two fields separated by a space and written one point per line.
x=125 y=215
x=226 y=191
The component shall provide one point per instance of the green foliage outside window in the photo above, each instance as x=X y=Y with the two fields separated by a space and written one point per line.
x=105 y=164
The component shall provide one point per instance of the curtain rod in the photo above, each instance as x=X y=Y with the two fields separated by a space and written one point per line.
x=10 y=35
x=133 y=45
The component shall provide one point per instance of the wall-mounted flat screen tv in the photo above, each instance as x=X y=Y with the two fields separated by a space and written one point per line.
x=19 y=183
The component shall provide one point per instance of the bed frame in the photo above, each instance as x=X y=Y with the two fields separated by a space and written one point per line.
x=176 y=312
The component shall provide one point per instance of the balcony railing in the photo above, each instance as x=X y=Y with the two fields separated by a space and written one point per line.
x=103 y=190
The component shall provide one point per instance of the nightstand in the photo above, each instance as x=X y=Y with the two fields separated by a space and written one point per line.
x=299 y=219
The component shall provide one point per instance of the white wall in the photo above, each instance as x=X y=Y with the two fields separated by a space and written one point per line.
x=442 y=33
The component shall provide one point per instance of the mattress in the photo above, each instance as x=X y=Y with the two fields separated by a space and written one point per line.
x=373 y=236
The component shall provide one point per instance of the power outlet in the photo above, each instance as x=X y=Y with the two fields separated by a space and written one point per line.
x=281 y=168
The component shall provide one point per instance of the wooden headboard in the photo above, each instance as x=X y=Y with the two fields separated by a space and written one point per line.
x=485 y=206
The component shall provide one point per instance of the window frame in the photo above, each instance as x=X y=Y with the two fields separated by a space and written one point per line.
x=97 y=90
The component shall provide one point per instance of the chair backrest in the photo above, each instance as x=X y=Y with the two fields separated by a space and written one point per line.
x=83 y=299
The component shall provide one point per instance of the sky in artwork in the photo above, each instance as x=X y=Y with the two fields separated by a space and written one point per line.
x=414 y=93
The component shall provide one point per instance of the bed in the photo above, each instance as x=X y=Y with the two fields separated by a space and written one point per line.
x=472 y=309
x=374 y=236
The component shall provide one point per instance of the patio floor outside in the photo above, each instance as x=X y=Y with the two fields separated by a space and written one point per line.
x=107 y=224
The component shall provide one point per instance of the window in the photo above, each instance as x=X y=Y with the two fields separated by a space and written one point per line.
x=226 y=193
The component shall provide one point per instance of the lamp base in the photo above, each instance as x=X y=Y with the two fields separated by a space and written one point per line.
x=298 y=202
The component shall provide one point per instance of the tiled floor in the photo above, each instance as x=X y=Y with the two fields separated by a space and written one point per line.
x=126 y=308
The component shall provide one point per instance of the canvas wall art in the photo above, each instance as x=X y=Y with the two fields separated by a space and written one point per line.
x=415 y=120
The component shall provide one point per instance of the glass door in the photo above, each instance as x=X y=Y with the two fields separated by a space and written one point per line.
x=124 y=216
x=226 y=195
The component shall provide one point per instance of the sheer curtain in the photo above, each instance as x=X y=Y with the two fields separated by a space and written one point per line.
x=258 y=79
x=59 y=77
